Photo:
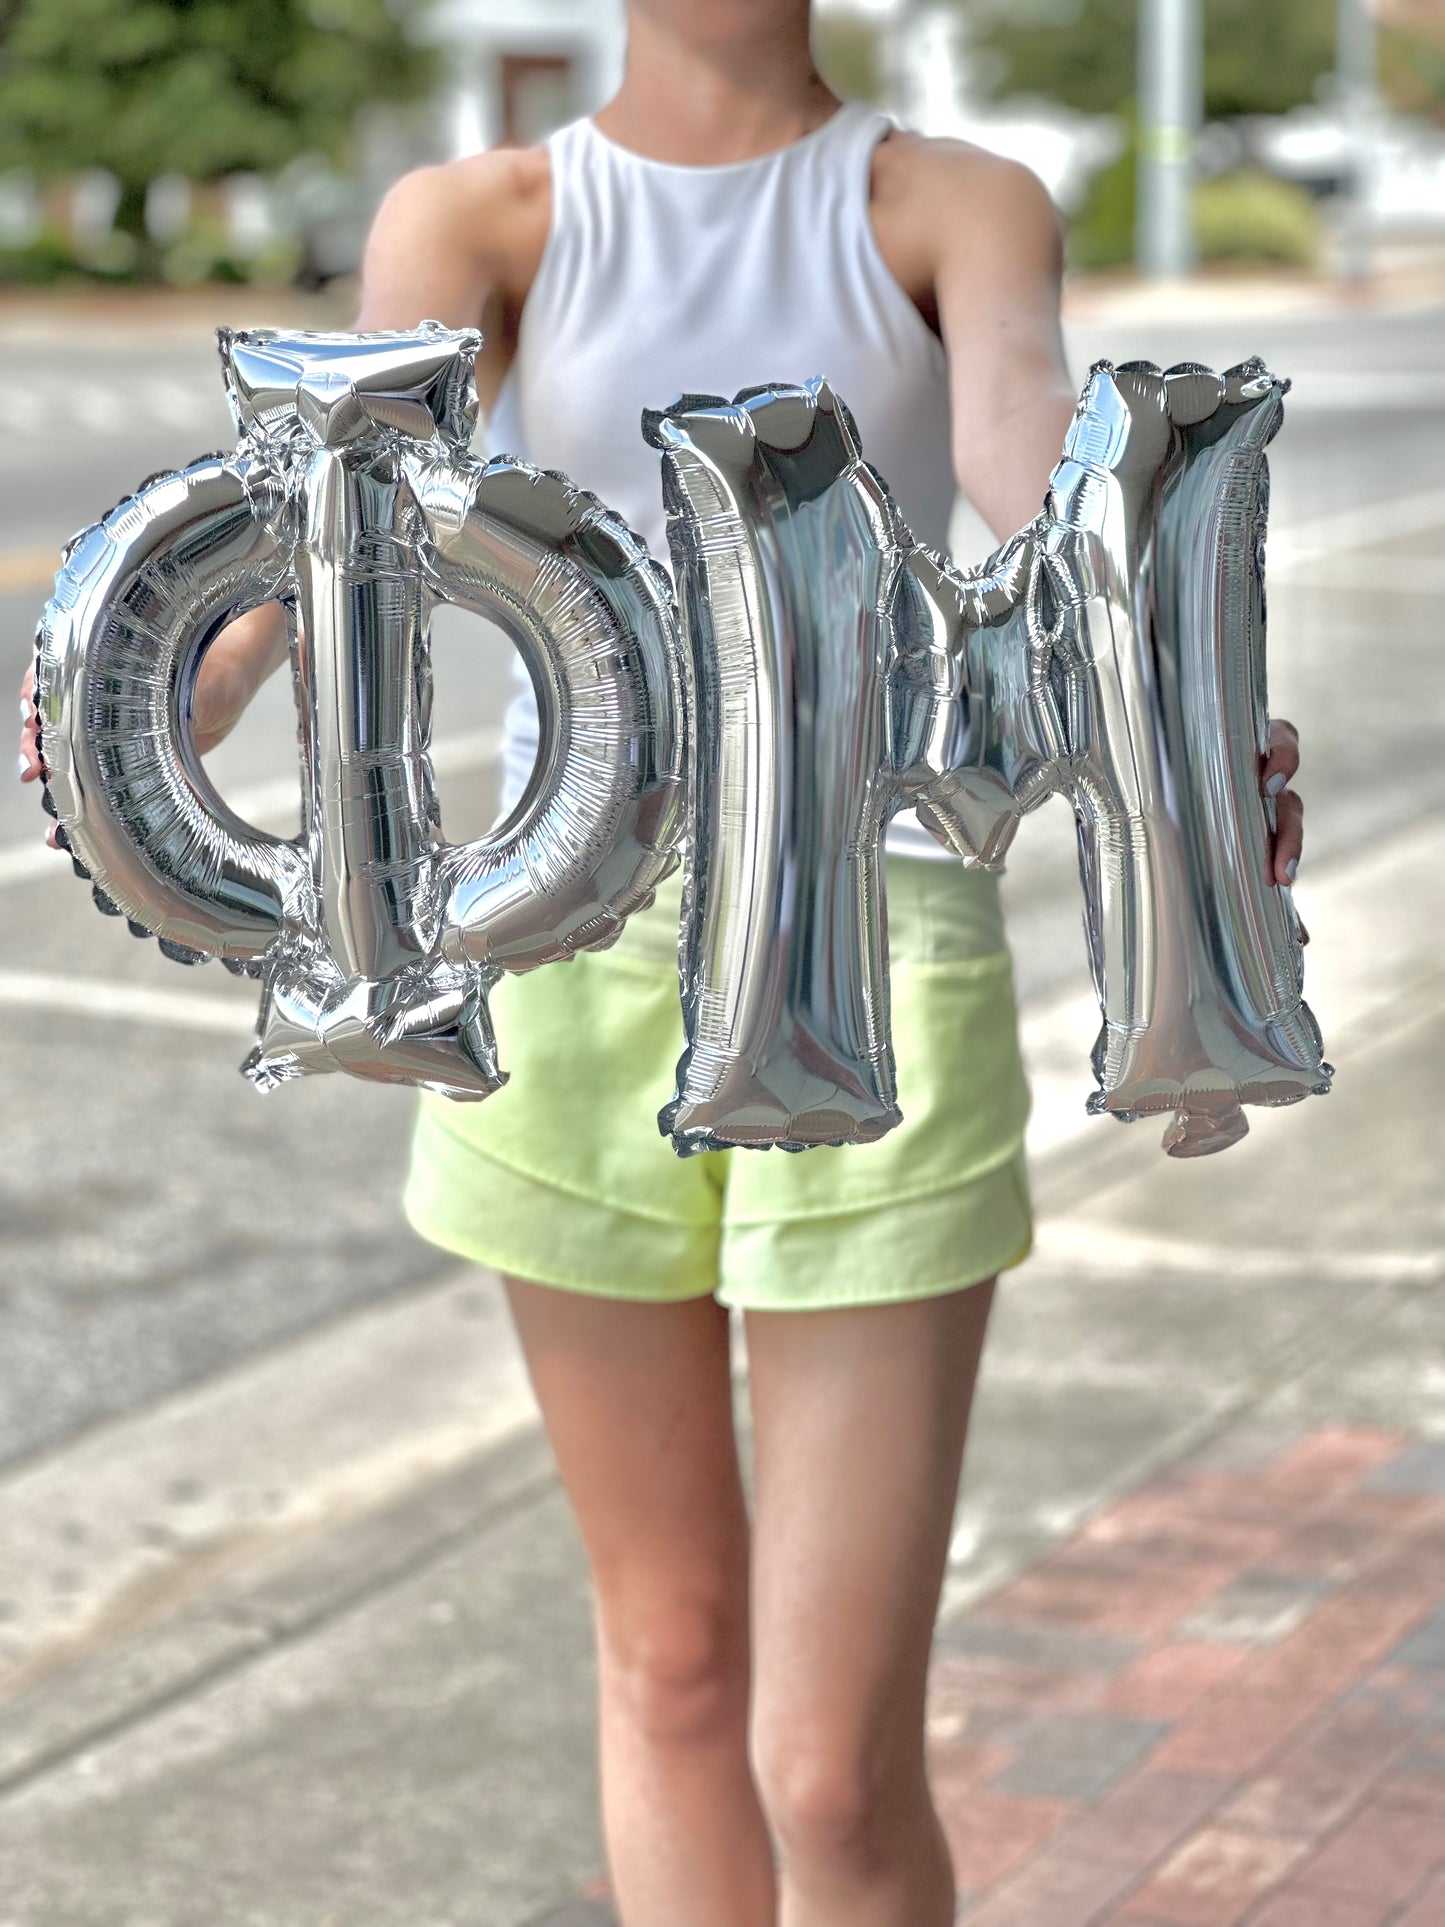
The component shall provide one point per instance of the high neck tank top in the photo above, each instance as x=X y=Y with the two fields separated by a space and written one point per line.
x=658 y=279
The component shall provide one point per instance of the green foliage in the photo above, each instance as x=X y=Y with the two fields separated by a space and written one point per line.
x=195 y=87
x=48 y=258
x=1412 y=71
x=1078 y=52
x=1260 y=56
x=203 y=254
x=1247 y=215
x=1101 y=234
x=1252 y=216
x=1264 y=56
x=846 y=51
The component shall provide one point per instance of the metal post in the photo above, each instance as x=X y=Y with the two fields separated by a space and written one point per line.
x=1170 y=56
x=1355 y=91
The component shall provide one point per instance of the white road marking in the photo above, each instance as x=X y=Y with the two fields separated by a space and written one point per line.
x=336 y=1422
x=102 y=410
x=1420 y=575
x=132 y=1003
x=35 y=408
x=1102 y=1251
x=1336 y=390
x=22 y=861
x=174 y=401
x=1353 y=528
x=22 y=411
x=263 y=804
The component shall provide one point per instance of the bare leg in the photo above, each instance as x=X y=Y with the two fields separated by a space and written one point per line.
x=859 y=1417
x=637 y=1400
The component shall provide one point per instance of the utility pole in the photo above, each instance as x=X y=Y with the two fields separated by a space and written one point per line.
x=1355 y=91
x=1171 y=86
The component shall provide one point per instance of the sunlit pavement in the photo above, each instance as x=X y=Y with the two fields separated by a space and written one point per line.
x=296 y=1623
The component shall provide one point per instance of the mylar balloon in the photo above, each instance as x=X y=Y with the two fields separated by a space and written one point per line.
x=351 y=497
x=1113 y=651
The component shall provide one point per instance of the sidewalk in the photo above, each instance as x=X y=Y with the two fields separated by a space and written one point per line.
x=311 y=1642
x=1403 y=276
x=1222 y=1700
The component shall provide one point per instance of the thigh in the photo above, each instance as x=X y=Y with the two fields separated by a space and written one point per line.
x=637 y=1402
x=859 y=1419
x=942 y=1200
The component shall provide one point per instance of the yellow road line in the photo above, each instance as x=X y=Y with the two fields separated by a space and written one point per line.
x=28 y=569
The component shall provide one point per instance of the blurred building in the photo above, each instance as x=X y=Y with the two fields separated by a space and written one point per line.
x=515 y=69
x=934 y=82
x=518 y=68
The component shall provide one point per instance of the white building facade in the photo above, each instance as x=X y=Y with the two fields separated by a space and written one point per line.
x=518 y=68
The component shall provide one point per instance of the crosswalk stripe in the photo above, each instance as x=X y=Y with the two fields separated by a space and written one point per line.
x=37 y=407
x=264 y=804
x=137 y=1003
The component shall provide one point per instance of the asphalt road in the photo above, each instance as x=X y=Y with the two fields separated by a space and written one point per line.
x=161 y=1220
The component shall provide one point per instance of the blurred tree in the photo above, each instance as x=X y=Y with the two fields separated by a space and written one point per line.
x=194 y=87
x=1412 y=63
x=1260 y=56
x=846 y=50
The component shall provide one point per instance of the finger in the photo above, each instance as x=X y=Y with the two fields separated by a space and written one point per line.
x=52 y=836
x=1288 y=837
x=30 y=763
x=1282 y=759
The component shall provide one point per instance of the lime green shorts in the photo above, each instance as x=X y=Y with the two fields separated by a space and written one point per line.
x=563 y=1178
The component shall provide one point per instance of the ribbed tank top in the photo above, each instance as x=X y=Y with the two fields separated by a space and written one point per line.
x=658 y=278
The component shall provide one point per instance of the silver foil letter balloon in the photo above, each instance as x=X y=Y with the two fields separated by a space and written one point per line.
x=1112 y=650
x=786 y=552
x=352 y=498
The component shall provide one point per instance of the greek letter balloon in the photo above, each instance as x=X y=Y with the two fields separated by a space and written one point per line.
x=352 y=499
x=1112 y=651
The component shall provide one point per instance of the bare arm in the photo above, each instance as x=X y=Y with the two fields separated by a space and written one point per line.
x=437 y=249
x=417 y=264
x=997 y=274
x=444 y=240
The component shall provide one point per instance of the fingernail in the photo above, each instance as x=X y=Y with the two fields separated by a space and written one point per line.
x=1291 y=867
x=24 y=710
x=24 y=767
x=1276 y=783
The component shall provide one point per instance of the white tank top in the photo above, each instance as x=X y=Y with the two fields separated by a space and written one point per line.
x=658 y=279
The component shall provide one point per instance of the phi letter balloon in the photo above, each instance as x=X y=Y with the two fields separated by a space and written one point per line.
x=352 y=499
x=1112 y=651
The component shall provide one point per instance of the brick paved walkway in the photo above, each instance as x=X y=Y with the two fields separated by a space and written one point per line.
x=1220 y=1704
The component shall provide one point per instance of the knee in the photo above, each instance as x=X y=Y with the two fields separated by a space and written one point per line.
x=826 y=1803
x=676 y=1671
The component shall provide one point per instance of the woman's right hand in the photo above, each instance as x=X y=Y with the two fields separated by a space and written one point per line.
x=31 y=767
x=240 y=659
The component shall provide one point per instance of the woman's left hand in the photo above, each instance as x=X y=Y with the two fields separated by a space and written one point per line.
x=1276 y=771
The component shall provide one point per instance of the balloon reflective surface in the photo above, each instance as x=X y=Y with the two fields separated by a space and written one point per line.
x=136 y=598
x=1113 y=651
x=352 y=497
x=787 y=553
